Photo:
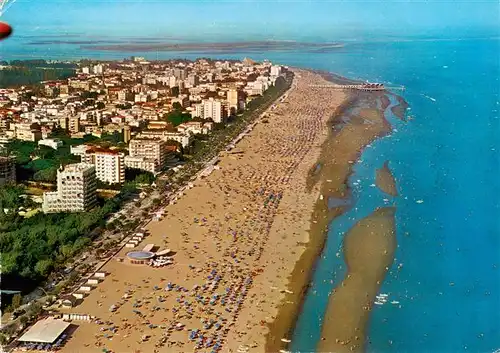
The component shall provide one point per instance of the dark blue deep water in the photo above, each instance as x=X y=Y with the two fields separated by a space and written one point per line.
x=448 y=156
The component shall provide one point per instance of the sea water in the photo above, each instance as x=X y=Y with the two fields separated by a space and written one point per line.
x=448 y=156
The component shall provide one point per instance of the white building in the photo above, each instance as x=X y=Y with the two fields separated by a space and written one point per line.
x=52 y=143
x=98 y=69
x=183 y=138
x=199 y=110
x=172 y=81
x=143 y=151
x=162 y=134
x=122 y=96
x=195 y=127
x=109 y=165
x=76 y=190
x=275 y=70
x=143 y=163
x=141 y=97
x=79 y=150
x=213 y=109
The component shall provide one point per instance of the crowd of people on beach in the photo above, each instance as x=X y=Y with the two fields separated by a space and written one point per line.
x=198 y=310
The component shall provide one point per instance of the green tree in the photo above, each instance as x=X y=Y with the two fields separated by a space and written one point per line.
x=16 y=301
x=177 y=106
x=177 y=117
x=43 y=267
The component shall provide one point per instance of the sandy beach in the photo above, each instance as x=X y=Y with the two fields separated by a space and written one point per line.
x=237 y=235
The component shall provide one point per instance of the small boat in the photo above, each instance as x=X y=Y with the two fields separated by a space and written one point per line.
x=420 y=201
x=379 y=303
x=394 y=302
x=285 y=340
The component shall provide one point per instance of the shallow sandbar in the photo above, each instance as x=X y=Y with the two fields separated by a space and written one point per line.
x=369 y=252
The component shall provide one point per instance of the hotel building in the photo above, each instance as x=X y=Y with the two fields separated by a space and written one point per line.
x=76 y=190
x=147 y=154
x=109 y=165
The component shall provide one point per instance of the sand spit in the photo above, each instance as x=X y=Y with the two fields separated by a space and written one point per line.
x=237 y=235
x=385 y=180
x=213 y=47
x=369 y=252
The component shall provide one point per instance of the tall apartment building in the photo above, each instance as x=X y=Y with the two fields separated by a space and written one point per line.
x=147 y=154
x=64 y=122
x=7 y=170
x=172 y=81
x=74 y=124
x=234 y=100
x=109 y=165
x=179 y=73
x=199 y=110
x=193 y=80
x=76 y=190
x=275 y=70
x=98 y=69
x=214 y=109
x=126 y=134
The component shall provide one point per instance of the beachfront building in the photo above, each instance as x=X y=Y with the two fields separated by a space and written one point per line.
x=49 y=333
x=76 y=190
x=147 y=154
x=165 y=134
x=109 y=164
x=7 y=170
x=142 y=163
x=211 y=109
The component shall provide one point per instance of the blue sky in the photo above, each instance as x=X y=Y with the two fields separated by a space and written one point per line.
x=234 y=20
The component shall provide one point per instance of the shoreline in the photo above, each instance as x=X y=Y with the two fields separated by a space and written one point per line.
x=322 y=216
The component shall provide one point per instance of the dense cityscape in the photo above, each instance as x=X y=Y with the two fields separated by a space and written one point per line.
x=91 y=156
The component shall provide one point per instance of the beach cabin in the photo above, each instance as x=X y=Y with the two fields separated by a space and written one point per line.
x=92 y=281
x=85 y=288
x=69 y=301
x=79 y=295
x=130 y=245
x=100 y=274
